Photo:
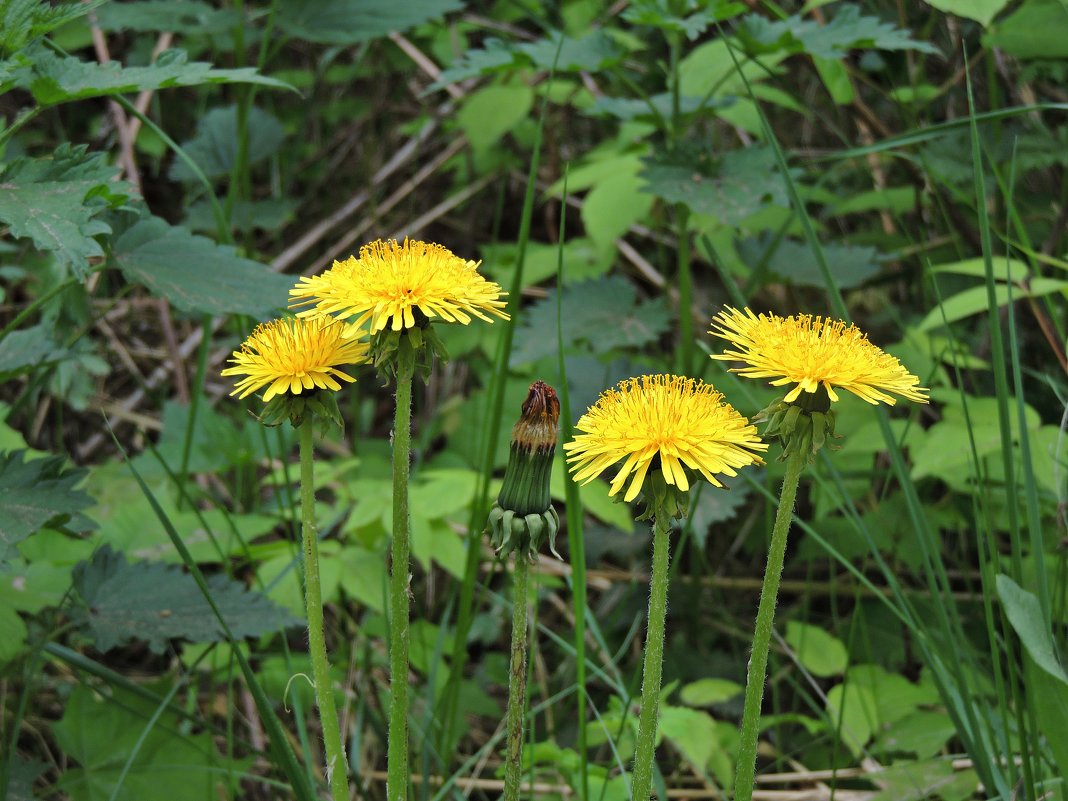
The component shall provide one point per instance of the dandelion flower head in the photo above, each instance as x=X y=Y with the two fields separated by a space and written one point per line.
x=662 y=421
x=389 y=281
x=292 y=355
x=811 y=352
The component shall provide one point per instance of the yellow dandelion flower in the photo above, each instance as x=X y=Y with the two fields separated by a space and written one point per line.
x=662 y=420
x=292 y=355
x=812 y=352
x=389 y=280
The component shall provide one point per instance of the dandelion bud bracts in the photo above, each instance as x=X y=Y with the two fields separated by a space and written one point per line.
x=523 y=516
x=801 y=425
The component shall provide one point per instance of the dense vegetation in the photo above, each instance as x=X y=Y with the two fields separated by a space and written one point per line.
x=169 y=168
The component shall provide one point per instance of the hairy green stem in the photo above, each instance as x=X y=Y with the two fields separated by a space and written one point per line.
x=397 y=749
x=642 y=776
x=517 y=684
x=336 y=765
x=758 y=662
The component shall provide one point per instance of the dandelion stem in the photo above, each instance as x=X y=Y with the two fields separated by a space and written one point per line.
x=758 y=662
x=642 y=776
x=336 y=765
x=397 y=748
x=517 y=684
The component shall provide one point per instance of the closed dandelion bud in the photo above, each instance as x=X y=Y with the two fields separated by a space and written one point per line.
x=523 y=517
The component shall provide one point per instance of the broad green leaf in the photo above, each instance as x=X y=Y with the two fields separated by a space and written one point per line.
x=54 y=202
x=36 y=493
x=495 y=55
x=974 y=300
x=658 y=14
x=710 y=68
x=345 y=22
x=612 y=206
x=582 y=261
x=850 y=265
x=730 y=188
x=922 y=733
x=854 y=714
x=836 y=78
x=1035 y=30
x=188 y=17
x=848 y=30
x=652 y=110
x=707 y=692
x=23 y=21
x=691 y=731
x=248 y=215
x=490 y=113
x=23 y=776
x=1025 y=614
x=29 y=587
x=99 y=733
x=215 y=145
x=196 y=274
x=603 y=314
x=364 y=576
x=593 y=52
x=917 y=781
x=895 y=697
x=29 y=349
x=820 y=653
x=12 y=634
x=155 y=602
x=982 y=11
x=53 y=79
x=1051 y=710
x=435 y=540
x=897 y=199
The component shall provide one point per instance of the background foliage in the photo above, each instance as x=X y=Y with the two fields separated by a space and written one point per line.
x=168 y=167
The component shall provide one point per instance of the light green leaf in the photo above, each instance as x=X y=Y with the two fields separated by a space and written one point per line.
x=595 y=499
x=707 y=692
x=156 y=602
x=364 y=576
x=1025 y=614
x=24 y=21
x=922 y=733
x=490 y=113
x=974 y=300
x=196 y=274
x=982 y=11
x=434 y=540
x=691 y=731
x=819 y=652
x=1035 y=30
x=853 y=712
x=612 y=206
x=215 y=145
x=29 y=348
x=345 y=22
x=54 y=202
x=1051 y=711
x=917 y=781
x=1004 y=269
x=836 y=78
x=53 y=79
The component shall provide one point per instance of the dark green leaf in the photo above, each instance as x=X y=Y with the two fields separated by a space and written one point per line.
x=196 y=274
x=36 y=493
x=1034 y=30
x=590 y=53
x=495 y=55
x=604 y=314
x=659 y=14
x=28 y=349
x=1025 y=614
x=189 y=17
x=248 y=215
x=847 y=31
x=631 y=108
x=155 y=602
x=100 y=732
x=729 y=188
x=215 y=145
x=59 y=79
x=22 y=21
x=344 y=22
x=24 y=773
x=851 y=265
x=54 y=201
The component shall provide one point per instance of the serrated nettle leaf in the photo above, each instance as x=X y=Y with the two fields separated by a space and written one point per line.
x=35 y=493
x=590 y=53
x=850 y=265
x=343 y=22
x=495 y=55
x=29 y=349
x=156 y=602
x=54 y=201
x=189 y=17
x=23 y=21
x=603 y=314
x=247 y=215
x=215 y=146
x=657 y=106
x=848 y=30
x=196 y=274
x=53 y=79
x=729 y=188
x=658 y=14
